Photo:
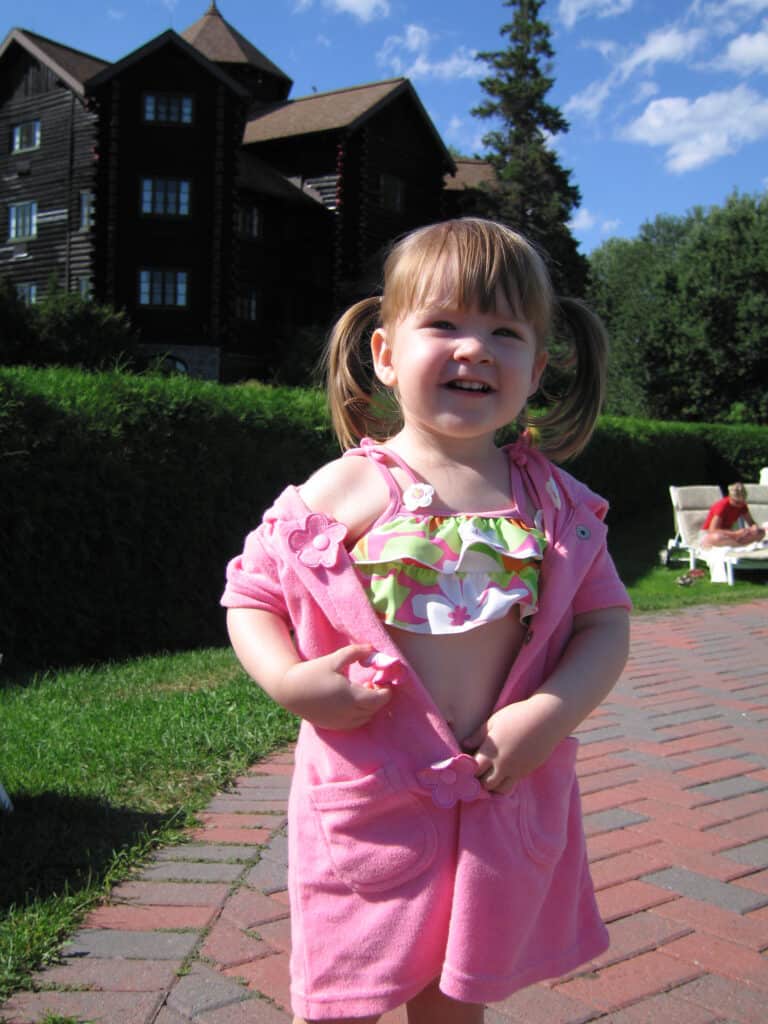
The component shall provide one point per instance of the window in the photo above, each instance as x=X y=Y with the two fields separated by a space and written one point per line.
x=86 y=210
x=392 y=193
x=163 y=288
x=249 y=304
x=22 y=221
x=165 y=196
x=249 y=221
x=27 y=293
x=167 y=108
x=25 y=136
x=85 y=288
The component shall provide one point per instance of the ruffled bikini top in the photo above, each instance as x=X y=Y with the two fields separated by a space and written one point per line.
x=430 y=573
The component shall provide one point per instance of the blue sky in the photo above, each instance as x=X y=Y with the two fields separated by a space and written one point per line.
x=667 y=101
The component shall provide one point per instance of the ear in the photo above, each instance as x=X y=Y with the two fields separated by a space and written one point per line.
x=381 y=350
x=539 y=365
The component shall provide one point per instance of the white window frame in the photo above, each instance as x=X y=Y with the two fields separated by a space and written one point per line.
x=27 y=292
x=168 y=108
x=249 y=304
x=249 y=221
x=86 y=209
x=17 y=136
x=163 y=288
x=165 y=197
x=22 y=220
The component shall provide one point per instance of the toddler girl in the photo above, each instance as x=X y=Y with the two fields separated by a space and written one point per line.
x=441 y=612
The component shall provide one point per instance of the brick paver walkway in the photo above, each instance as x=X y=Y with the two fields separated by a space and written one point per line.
x=674 y=776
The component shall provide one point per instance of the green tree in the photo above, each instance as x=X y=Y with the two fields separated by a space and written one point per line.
x=535 y=194
x=686 y=306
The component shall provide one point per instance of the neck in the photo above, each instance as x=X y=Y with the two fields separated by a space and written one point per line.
x=422 y=449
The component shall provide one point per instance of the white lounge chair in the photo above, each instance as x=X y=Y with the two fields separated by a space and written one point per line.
x=691 y=505
x=5 y=801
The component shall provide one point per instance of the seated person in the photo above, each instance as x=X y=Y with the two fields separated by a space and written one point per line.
x=729 y=522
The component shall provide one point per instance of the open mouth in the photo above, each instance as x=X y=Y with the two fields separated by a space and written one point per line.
x=468 y=385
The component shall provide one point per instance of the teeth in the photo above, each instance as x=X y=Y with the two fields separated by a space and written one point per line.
x=469 y=385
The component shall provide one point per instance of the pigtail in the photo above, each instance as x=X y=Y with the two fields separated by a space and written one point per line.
x=351 y=383
x=564 y=430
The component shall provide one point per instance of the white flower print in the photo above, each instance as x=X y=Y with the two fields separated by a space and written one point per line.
x=418 y=496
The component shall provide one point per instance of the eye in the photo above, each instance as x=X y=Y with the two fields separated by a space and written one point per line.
x=442 y=325
x=508 y=332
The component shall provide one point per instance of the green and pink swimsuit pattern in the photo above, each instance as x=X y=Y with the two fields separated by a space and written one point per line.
x=444 y=573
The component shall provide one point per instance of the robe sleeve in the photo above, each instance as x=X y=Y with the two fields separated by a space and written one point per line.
x=253 y=577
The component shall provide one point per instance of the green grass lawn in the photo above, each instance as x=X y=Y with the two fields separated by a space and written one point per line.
x=105 y=764
x=635 y=546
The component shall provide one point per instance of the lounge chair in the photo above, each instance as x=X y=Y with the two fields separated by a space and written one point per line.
x=690 y=506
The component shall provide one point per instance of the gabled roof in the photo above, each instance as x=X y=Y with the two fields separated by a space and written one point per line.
x=255 y=174
x=331 y=111
x=167 y=38
x=471 y=174
x=219 y=41
x=73 y=67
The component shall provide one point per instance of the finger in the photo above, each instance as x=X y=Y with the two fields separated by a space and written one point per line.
x=349 y=654
x=370 y=695
x=484 y=766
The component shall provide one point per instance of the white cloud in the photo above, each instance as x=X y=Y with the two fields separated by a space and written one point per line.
x=365 y=10
x=644 y=92
x=322 y=40
x=670 y=45
x=569 y=11
x=698 y=132
x=665 y=44
x=582 y=220
x=408 y=55
x=609 y=227
x=745 y=54
x=115 y=15
x=302 y=5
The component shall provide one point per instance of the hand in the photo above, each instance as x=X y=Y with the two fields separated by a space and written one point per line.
x=511 y=744
x=319 y=691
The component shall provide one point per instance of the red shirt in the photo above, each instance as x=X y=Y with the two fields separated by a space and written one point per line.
x=727 y=512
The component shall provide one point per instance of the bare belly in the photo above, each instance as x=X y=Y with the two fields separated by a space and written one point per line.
x=464 y=672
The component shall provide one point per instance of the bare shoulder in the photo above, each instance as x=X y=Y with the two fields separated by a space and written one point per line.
x=350 y=490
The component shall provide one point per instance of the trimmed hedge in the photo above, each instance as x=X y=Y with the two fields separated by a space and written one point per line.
x=123 y=497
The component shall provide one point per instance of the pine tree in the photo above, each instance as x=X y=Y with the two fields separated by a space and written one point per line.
x=535 y=193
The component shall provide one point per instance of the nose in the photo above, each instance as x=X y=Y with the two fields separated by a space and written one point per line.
x=471 y=348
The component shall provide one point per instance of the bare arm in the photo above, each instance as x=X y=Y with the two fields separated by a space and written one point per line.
x=518 y=738
x=317 y=690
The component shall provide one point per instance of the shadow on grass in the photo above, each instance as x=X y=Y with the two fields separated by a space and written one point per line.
x=635 y=543
x=54 y=843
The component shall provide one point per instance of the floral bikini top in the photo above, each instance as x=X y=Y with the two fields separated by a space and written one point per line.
x=430 y=573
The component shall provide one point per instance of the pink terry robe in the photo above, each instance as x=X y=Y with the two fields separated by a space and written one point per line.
x=402 y=868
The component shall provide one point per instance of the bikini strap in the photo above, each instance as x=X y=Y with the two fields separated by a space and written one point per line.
x=380 y=456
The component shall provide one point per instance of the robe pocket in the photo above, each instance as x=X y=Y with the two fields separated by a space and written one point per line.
x=545 y=800
x=378 y=833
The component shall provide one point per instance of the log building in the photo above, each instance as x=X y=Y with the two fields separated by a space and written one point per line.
x=182 y=184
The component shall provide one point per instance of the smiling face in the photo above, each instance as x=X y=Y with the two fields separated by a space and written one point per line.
x=459 y=372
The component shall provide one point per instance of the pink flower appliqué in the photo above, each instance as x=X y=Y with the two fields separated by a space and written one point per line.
x=452 y=780
x=318 y=542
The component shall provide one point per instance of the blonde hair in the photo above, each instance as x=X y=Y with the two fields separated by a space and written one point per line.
x=738 y=491
x=474 y=261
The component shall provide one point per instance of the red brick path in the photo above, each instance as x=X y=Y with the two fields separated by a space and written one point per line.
x=674 y=778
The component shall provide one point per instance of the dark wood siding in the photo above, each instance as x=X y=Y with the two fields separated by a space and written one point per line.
x=53 y=175
x=203 y=152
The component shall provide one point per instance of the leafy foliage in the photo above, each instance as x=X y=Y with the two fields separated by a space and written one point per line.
x=63 y=329
x=535 y=194
x=686 y=305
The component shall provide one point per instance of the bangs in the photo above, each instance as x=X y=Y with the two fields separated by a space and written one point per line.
x=469 y=263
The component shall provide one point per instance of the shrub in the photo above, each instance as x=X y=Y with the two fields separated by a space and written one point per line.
x=124 y=496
